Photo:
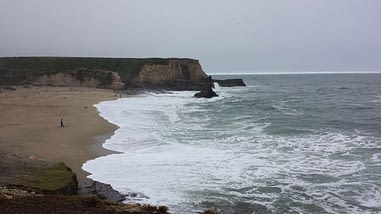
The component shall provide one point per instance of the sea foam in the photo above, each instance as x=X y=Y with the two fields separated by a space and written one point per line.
x=192 y=153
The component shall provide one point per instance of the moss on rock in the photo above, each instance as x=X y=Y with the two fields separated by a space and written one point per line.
x=37 y=175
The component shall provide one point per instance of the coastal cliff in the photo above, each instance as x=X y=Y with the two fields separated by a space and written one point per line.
x=113 y=73
x=82 y=78
x=185 y=74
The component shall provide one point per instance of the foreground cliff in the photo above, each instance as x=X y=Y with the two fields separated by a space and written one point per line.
x=36 y=175
x=30 y=185
x=114 y=73
x=18 y=201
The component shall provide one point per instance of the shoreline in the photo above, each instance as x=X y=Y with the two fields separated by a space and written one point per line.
x=29 y=124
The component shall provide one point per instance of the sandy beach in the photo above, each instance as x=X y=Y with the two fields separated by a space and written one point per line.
x=30 y=124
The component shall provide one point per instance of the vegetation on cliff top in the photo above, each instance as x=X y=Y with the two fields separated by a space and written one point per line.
x=16 y=70
x=51 y=178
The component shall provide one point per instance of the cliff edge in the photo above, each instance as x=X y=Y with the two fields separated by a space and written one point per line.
x=178 y=74
x=113 y=73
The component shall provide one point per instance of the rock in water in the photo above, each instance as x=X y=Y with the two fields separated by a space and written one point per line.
x=207 y=89
x=230 y=82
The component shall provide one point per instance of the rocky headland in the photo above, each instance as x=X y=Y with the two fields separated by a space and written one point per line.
x=112 y=73
x=109 y=73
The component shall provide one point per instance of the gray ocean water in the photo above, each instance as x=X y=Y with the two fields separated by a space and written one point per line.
x=303 y=143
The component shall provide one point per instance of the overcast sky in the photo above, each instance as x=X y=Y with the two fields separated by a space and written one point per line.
x=225 y=35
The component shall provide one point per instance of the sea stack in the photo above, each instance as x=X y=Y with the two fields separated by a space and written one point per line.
x=207 y=89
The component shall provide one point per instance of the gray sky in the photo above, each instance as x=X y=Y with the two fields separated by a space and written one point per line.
x=225 y=35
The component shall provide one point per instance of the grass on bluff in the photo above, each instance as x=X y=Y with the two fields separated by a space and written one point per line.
x=50 y=178
x=14 y=70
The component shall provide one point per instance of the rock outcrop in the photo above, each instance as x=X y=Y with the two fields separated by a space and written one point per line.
x=100 y=190
x=178 y=74
x=18 y=201
x=37 y=175
x=207 y=89
x=230 y=82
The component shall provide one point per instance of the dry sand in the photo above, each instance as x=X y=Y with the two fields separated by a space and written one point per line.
x=30 y=124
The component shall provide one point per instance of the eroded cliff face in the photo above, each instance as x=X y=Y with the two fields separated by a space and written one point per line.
x=114 y=73
x=178 y=74
x=82 y=78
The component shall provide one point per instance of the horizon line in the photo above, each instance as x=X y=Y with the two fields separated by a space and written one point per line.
x=296 y=72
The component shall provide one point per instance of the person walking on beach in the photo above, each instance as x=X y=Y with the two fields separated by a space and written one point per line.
x=62 y=124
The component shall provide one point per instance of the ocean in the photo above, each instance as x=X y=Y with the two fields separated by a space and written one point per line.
x=287 y=143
